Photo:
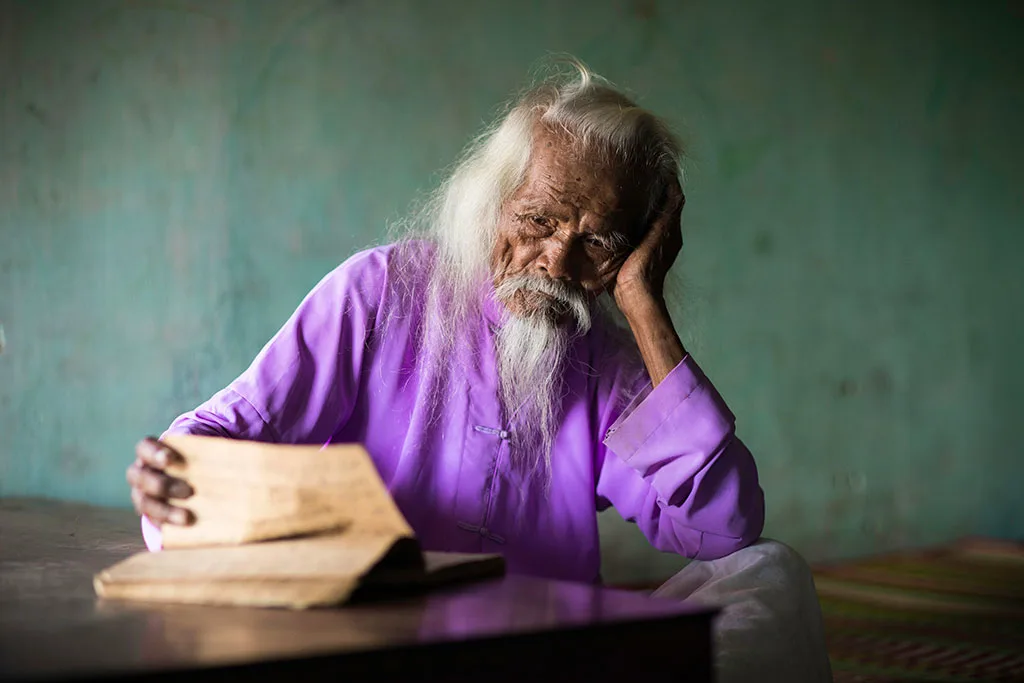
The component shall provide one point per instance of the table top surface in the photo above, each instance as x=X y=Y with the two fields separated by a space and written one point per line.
x=53 y=625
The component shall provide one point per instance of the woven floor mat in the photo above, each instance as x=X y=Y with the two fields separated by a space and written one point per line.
x=951 y=614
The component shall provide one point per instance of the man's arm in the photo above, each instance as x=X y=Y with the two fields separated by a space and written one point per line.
x=655 y=335
x=302 y=385
x=671 y=463
x=676 y=467
x=300 y=388
x=640 y=284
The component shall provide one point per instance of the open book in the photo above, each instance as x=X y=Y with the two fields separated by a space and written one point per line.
x=283 y=526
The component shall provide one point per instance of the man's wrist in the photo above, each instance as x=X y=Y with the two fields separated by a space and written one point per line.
x=656 y=338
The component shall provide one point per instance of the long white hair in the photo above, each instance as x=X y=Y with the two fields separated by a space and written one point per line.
x=444 y=248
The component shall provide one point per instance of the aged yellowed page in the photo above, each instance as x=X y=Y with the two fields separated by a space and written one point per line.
x=292 y=573
x=291 y=593
x=331 y=555
x=247 y=491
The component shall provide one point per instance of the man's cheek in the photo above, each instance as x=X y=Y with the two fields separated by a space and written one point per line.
x=501 y=256
x=523 y=256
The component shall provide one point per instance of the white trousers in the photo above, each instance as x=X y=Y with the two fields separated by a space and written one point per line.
x=770 y=626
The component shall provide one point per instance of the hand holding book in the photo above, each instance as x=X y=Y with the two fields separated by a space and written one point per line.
x=277 y=525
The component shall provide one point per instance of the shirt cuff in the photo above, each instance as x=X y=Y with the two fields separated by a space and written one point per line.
x=151 y=535
x=684 y=407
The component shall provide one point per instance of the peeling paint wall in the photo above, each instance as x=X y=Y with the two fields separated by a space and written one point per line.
x=174 y=176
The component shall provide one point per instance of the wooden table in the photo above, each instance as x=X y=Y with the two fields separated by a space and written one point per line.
x=52 y=626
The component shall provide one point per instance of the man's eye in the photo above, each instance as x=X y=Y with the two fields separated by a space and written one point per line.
x=541 y=221
x=596 y=243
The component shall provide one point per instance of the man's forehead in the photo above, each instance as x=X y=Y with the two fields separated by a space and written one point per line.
x=550 y=143
x=559 y=164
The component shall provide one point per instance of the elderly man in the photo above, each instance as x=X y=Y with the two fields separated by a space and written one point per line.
x=511 y=366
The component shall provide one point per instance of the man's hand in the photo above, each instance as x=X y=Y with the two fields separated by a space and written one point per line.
x=152 y=488
x=642 y=275
x=640 y=286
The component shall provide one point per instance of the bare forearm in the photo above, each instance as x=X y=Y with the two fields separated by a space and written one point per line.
x=660 y=346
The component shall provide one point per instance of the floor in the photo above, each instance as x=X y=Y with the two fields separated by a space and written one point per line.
x=951 y=614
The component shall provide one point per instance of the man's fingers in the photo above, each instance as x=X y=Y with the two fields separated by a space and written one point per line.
x=151 y=487
x=160 y=512
x=155 y=454
x=157 y=484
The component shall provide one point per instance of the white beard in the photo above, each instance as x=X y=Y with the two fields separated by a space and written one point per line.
x=532 y=351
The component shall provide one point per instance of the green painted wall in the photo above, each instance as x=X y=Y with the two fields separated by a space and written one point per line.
x=175 y=175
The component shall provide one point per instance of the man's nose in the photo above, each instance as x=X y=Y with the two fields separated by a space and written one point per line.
x=555 y=260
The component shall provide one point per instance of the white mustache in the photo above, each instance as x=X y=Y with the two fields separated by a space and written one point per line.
x=565 y=299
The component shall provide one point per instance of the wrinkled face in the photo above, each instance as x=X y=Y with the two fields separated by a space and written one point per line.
x=574 y=219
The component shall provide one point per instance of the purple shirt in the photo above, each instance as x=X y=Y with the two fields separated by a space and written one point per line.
x=666 y=458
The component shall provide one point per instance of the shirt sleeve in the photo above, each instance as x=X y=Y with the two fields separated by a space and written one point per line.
x=304 y=383
x=302 y=386
x=671 y=463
